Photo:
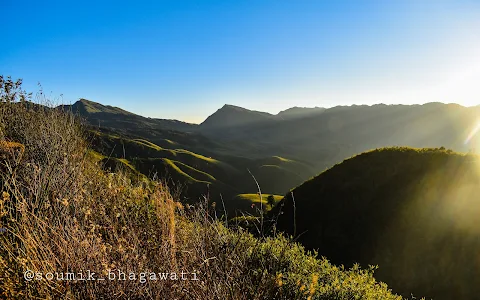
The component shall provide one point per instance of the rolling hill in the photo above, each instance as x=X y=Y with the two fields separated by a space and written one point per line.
x=199 y=175
x=412 y=212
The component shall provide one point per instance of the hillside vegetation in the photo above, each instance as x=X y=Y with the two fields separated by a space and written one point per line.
x=412 y=212
x=62 y=213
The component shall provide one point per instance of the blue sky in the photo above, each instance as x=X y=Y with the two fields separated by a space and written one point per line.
x=185 y=59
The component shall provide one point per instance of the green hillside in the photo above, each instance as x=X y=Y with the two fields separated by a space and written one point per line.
x=121 y=146
x=226 y=176
x=412 y=212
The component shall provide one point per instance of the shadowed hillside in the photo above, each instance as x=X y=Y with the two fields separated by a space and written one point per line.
x=412 y=212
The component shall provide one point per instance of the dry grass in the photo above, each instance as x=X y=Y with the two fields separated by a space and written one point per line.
x=62 y=213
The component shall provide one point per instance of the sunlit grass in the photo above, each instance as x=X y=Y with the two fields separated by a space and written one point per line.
x=192 y=172
x=148 y=144
x=255 y=198
x=282 y=159
x=199 y=156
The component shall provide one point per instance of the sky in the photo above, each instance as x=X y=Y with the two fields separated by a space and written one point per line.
x=186 y=59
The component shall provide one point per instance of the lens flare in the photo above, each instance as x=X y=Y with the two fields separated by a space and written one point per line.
x=473 y=133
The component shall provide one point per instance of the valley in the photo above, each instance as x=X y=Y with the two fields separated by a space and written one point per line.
x=387 y=207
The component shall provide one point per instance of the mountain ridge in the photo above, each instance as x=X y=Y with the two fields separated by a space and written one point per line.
x=101 y=108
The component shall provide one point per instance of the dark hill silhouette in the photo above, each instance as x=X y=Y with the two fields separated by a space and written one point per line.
x=412 y=212
x=231 y=123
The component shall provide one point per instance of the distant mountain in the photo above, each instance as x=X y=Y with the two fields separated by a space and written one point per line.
x=234 y=116
x=412 y=212
x=328 y=136
x=87 y=107
x=114 y=117
x=114 y=120
x=300 y=112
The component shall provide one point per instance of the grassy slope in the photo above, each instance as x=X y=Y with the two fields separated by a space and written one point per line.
x=139 y=148
x=228 y=177
x=194 y=173
x=410 y=211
